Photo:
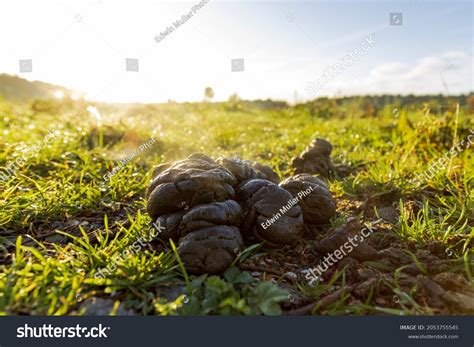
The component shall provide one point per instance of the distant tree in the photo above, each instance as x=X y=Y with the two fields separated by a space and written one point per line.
x=208 y=93
x=233 y=103
x=234 y=98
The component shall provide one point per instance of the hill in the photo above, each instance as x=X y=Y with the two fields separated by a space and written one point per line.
x=15 y=88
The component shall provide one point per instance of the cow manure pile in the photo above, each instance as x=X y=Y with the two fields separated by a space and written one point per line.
x=211 y=208
x=316 y=160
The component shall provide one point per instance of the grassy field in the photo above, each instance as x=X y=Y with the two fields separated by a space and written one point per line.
x=61 y=222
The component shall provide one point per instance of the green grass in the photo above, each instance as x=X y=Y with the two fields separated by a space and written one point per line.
x=61 y=222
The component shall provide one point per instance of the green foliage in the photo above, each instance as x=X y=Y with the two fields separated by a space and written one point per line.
x=237 y=294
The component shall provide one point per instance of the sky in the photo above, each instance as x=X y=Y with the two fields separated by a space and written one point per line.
x=291 y=50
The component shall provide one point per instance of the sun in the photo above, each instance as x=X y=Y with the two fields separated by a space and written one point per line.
x=58 y=94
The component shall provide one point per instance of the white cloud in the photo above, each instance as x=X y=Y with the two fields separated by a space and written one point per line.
x=424 y=76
